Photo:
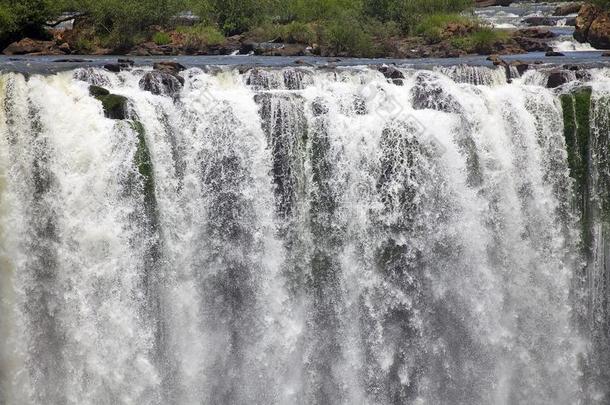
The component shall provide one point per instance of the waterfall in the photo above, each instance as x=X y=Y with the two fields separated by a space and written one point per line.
x=304 y=236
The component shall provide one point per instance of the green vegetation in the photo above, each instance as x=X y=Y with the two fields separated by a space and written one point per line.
x=480 y=41
x=115 y=106
x=576 y=107
x=161 y=38
x=201 y=34
x=354 y=27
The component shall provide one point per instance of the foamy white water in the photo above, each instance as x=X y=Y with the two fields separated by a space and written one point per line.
x=304 y=236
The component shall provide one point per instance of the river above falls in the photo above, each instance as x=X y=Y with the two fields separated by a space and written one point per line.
x=54 y=64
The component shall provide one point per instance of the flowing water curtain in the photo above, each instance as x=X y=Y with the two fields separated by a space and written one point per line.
x=293 y=236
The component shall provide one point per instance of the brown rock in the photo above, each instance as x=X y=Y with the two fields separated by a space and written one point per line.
x=587 y=14
x=567 y=9
x=599 y=32
x=30 y=46
x=170 y=67
x=537 y=33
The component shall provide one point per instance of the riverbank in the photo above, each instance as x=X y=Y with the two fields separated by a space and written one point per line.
x=519 y=29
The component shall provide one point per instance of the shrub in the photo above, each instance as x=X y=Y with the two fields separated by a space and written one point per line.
x=201 y=35
x=432 y=27
x=347 y=35
x=161 y=38
x=481 y=41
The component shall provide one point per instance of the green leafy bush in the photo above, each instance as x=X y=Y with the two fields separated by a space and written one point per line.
x=481 y=41
x=347 y=35
x=432 y=27
x=161 y=38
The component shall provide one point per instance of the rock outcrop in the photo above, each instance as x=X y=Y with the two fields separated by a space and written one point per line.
x=593 y=26
x=567 y=9
x=28 y=46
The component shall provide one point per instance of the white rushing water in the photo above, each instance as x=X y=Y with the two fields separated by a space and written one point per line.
x=304 y=237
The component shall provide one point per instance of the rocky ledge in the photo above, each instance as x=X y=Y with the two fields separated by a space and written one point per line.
x=593 y=26
x=516 y=42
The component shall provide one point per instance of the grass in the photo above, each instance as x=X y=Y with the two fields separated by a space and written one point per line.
x=201 y=35
x=161 y=38
x=481 y=41
x=433 y=27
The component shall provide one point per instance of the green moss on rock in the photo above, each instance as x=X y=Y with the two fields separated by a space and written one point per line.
x=576 y=117
x=115 y=106
x=143 y=162
x=576 y=107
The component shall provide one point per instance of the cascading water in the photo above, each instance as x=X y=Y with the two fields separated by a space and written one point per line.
x=304 y=236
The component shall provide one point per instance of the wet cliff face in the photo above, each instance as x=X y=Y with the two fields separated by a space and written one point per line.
x=286 y=236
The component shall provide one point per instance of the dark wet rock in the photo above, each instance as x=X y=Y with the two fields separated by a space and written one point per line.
x=492 y=3
x=164 y=79
x=532 y=44
x=390 y=72
x=319 y=107
x=553 y=53
x=122 y=64
x=537 y=33
x=557 y=78
x=72 y=60
x=97 y=91
x=360 y=106
x=295 y=79
x=115 y=106
x=161 y=83
x=428 y=94
x=540 y=21
x=567 y=9
x=170 y=67
x=302 y=62
x=521 y=66
x=606 y=54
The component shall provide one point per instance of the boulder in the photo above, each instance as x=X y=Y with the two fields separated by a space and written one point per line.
x=554 y=53
x=122 y=64
x=491 y=3
x=599 y=32
x=161 y=83
x=587 y=14
x=521 y=66
x=391 y=72
x=169 y=67
x=115 y=106
x=556 y=78
x=532 y=44
x=537 y=21
x=537 y=33
x=567 y=9
x=31 y=46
